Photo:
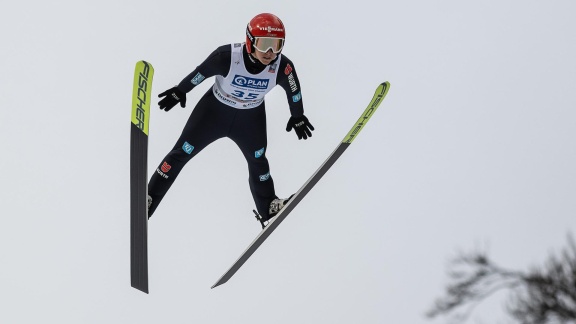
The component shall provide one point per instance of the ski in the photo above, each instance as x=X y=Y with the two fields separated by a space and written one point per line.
x=379 y=95
x=141 y=95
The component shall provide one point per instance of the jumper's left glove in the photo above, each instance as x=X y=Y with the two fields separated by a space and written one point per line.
x=301 y=126
x=171 y=97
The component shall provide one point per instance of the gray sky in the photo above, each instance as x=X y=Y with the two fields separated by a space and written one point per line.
x=472 y=148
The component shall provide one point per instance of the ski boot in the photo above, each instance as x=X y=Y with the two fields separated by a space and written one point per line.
x=275 y=207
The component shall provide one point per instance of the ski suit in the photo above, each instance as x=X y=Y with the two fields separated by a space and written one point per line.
x=233 y=107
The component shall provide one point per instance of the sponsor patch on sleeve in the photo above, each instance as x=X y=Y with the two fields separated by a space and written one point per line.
x=297 y=97
x=198 y=79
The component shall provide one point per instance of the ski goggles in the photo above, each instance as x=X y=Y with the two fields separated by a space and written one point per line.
x=263 y=44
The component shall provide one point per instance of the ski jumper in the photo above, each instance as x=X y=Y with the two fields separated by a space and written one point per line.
x=234 y=108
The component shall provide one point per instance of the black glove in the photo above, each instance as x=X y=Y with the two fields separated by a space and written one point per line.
x=171 y=98
x=301 y=126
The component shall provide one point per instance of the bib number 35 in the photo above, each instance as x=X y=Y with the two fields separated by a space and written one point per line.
x=243 y=95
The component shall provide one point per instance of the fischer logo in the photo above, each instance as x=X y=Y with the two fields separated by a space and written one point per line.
x=252 y=83
x=141 y=95
x=363 y=120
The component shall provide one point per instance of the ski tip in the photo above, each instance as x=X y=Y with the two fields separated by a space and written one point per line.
x=145 y=63
x=386 y=86
x=382 y=88
x=216 y=285
x=379 y=95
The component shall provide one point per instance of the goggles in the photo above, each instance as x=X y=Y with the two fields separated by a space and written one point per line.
x=263 y=44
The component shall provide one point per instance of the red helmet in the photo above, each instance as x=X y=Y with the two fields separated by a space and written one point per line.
x=265 y=32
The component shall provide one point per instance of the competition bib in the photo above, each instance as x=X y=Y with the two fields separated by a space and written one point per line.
x=240 y=89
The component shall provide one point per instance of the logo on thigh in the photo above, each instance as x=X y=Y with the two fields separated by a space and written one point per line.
x=165 y=167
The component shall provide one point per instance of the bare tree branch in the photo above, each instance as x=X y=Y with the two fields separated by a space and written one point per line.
x=546 y=295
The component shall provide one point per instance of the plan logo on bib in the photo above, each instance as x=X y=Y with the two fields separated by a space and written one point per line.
x=251 y=83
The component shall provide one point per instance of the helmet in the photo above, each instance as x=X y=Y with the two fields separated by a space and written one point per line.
x=265 y=32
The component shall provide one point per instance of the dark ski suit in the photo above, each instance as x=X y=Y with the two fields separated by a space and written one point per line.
x=211 y=119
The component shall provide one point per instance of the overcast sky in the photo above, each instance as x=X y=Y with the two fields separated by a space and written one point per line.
x=472 y=148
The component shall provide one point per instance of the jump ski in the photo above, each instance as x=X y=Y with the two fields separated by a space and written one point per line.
x=138 y=177
x=379 y=95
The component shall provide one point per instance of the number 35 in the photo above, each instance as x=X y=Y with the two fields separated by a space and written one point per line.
x=240 y=94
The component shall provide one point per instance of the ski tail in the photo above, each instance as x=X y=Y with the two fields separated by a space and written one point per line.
x=379 y=95
x=141 y=97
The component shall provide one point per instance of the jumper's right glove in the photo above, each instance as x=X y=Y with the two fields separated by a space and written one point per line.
x=171 y=98
x=301 y=126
